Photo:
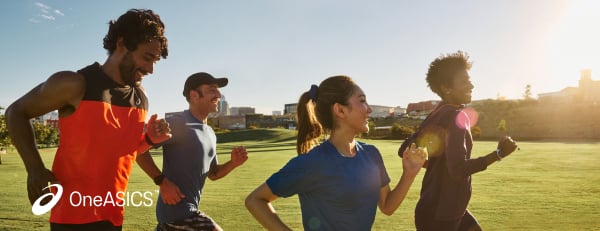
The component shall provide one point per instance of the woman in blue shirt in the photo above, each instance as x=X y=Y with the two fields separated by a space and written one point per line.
x=340 y=182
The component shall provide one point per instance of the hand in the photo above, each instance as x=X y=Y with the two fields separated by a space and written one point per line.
x=414 y=158
x=239 y=155
x=170 y=193
x=158 y=130
x=36 y=181
x=506 y=145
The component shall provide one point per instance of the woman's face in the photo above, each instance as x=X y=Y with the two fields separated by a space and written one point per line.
x=460 y=90
x=358 y=111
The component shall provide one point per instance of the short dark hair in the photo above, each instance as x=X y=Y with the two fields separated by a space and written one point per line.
x=136 y=26
x=443 y=69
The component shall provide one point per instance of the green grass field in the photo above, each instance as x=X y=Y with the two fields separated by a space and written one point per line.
x=544 y=186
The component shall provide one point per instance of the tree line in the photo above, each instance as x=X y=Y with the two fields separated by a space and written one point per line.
x=45 y=135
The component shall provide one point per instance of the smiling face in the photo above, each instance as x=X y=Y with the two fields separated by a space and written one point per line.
x=460 y=90
x=357 y=111
x=140 y=62
x=207 y=98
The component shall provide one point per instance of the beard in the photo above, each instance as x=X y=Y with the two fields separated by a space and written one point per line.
x=129 y=71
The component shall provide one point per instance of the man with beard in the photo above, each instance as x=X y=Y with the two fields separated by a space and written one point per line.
x=190 y=157
x=102 y=110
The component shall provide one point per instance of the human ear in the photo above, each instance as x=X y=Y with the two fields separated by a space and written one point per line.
x=120 y=48
x=120 y=43
x=338 y=110
x=194 y=94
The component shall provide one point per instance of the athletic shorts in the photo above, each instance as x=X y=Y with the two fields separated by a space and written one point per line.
x=198 y=221
x=95 y=226
x=425 y=223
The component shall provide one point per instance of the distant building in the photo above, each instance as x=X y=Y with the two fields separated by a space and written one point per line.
x=588 y=91
x=52 y=123
x=421 y=108
x=381 y=111
x=399 y=111
x=53 y=115
x=290 y=108
x=50 y=119
x=229 y=122
x=223 y=106
x=276 y=113
x=265 y=121
x=242 y=111
x=378 y=110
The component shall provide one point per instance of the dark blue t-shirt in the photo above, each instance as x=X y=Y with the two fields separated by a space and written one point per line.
x=187 y=157
x=336 y=192
x=446 y=187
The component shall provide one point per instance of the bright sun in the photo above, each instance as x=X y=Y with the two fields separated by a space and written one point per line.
x=575 y=41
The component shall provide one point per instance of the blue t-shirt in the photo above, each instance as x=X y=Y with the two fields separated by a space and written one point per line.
x=336 y=192
x=187 y=157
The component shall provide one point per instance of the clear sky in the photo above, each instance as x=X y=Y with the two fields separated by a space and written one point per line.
x=273 y=50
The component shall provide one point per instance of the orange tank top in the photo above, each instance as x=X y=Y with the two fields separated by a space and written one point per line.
x=97 y=148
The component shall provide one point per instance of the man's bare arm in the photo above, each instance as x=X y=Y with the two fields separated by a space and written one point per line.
x=62 y=91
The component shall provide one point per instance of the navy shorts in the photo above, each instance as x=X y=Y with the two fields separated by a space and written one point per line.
x=95 y=226
x=427 y=223
x=198 y=221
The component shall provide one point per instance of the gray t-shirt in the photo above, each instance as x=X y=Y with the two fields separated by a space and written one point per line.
x=187 y=158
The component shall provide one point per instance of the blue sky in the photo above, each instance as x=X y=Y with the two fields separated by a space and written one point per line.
x=273 y=50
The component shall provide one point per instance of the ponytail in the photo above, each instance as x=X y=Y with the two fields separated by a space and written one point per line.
x=309 y=128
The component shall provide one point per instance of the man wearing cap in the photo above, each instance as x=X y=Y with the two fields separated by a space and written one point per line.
x=190 y=156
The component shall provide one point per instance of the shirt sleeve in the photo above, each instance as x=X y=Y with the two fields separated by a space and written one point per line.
x=383 y=175
x=459 y=163
x=295 y=177
x=177 y=126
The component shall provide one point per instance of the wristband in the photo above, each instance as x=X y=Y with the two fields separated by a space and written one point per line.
x=159 y=179
x=498 y=151
x=148 y=140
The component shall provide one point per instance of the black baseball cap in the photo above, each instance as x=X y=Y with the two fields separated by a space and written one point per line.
x=200 y=78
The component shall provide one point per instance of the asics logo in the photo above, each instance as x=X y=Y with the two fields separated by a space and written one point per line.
x=38 y=209
x=77 y=199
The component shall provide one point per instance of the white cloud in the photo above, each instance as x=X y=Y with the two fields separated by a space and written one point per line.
x=42 y=6
x=47 y=13
x=48 y=17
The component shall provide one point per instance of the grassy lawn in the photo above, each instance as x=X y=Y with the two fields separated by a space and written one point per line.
x=544 y=186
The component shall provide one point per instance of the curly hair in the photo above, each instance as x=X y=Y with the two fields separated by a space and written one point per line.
x=136 y=26
x=443 y=69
